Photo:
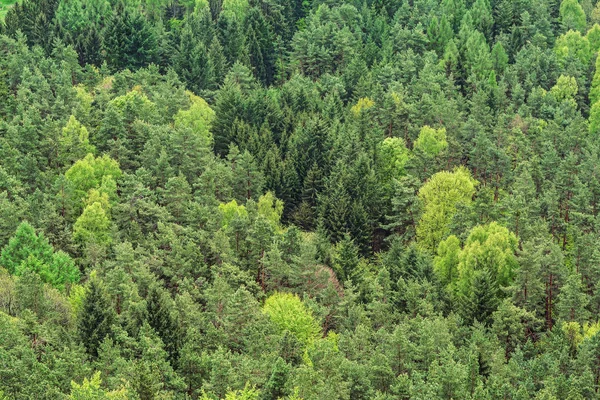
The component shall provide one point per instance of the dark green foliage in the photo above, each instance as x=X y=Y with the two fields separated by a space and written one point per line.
x=130 y=41
x=96 y=317
x=416 y=180
x=161 y=320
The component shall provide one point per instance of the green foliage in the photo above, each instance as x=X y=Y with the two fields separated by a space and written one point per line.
x=573 y=46
x=95 y=318
x=565 y=88
x=93 y=226
x=232 y=211
x=595 y=88
x=271 y=208
x=393 y=157
x=91 y=390
x=431 y=141
x=289 y=313
x=74 y=142
x=91 y=172
x=593 y=36
x=572 y=15
x=22 y=245
x=166 y=150
x=441 y=195
x=198 y=118
x=27 y=251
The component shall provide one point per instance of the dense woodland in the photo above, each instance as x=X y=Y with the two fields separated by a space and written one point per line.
x=300 y=199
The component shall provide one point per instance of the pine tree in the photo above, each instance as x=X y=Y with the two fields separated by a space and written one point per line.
x=572 y=300
x=275 y=386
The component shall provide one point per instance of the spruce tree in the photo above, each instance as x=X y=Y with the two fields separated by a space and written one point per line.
x=160 y=318
x=96 y=317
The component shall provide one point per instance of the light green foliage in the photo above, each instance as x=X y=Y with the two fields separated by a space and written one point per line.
x=492 y=247
x=488 y=248
x=93 y=226
x=76 y=298
x=202 y=5
x=289 y=313
x=271 y=208
x=565 y=88
x=595 y=89
x=499 y=58
x=573 y=45
x=91 y=172
x=74 y=142
x=477 y=54
x=83 y=108
x=572 y=15
x=431 y=141
x=91 y=389
x=594 y=125
x=248 y=393
x=441 y=195
x=393 y=156
x=198 y=118
x=27 y=251
x=235 y=8
x=593 y=37
x=23 y=244
x=4 y=6
x=380 y=155
x=446 y=262
x=135 y=105
x=231 y=211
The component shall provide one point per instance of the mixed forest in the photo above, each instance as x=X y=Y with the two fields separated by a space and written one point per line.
x=300 y=199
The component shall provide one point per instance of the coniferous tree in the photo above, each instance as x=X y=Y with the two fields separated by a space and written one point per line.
x=96 y=317
x=160 y=318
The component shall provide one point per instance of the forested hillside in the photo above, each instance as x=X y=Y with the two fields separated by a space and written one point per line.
x=300 y=199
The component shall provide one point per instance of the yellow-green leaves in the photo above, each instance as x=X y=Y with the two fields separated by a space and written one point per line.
x=431 y=141
x=271 y=208
x=198 y=118
x=593 y=37
x=92 y=389
x=94 y=180
x=232 y=211
x=289 y=313
x=93 y=226
x=565 y=88
x=446 y=262
x=92 y=172
x=489 y=247
x=134 y=104
x=363 y=104
x=392 y=157
x=573 y=44
x=441 y=196
x=73 y=142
